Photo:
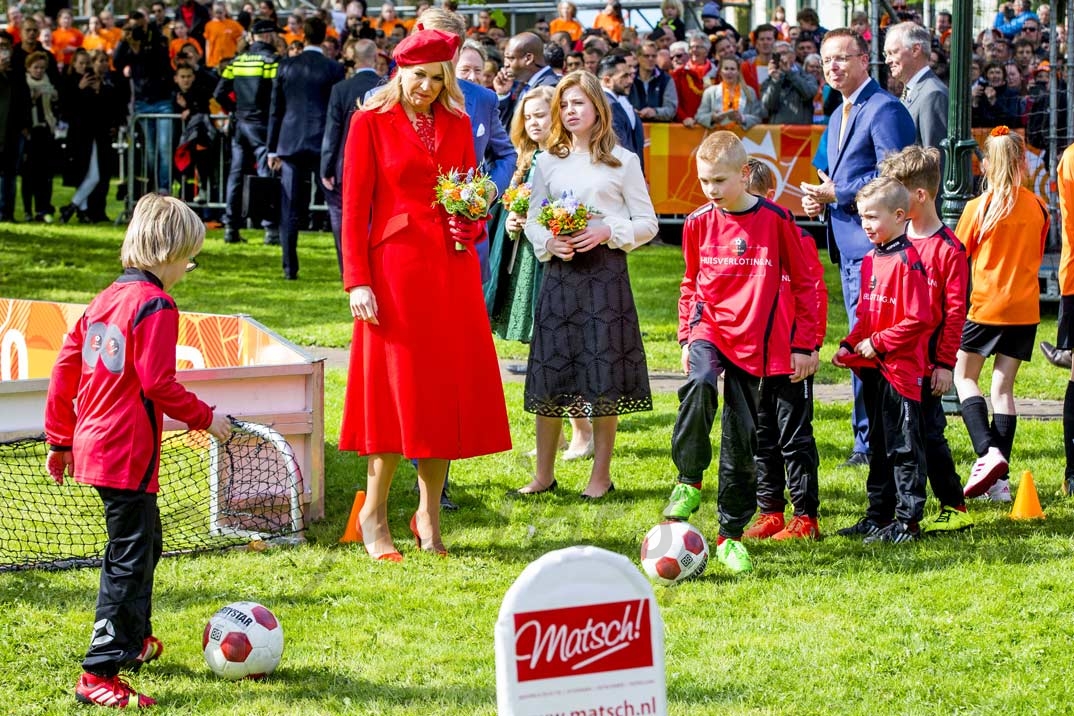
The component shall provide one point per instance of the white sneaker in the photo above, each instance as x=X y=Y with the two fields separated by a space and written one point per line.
x=999 y=492
x=988 y=468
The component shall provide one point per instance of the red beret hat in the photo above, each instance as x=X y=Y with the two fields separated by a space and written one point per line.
x=426 y=46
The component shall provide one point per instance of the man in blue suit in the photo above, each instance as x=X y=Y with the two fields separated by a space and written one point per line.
x=296 y=127
x=871 y=124
x=492 y=146
x=617 y=79
x=346 y=98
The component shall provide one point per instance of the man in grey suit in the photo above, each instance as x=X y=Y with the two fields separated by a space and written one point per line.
x=906 y=52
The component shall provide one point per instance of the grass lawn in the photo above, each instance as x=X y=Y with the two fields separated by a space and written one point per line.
x=977 y=623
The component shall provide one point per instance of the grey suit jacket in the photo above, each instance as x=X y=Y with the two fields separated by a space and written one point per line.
x=927 y=103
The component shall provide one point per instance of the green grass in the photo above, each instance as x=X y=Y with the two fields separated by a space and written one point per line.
x=970 y=624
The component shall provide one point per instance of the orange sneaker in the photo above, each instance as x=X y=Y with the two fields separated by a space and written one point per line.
x=803 y=527
x=767 y=525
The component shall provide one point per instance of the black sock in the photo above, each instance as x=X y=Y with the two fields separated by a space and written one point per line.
x=1004 y=427
x=1068 y=428
x=975 y=416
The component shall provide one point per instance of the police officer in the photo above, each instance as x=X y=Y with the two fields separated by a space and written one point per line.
x=250 y=76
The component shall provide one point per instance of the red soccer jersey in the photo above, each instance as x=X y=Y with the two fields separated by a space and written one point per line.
x=118 y=362
x=947 y=269
x=786 y=304
x=894 y=311
x=730 y=293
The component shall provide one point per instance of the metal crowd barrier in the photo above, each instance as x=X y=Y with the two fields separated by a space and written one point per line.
x=147 y=164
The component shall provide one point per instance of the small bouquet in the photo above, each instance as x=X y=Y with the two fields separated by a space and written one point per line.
x=468 y=195
x=565 y=215
x=516 y=198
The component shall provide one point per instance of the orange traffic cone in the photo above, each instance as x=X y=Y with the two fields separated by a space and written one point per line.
x=1026 y=503
x=353 y=531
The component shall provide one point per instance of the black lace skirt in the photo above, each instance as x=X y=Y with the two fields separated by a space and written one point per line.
x=586 y=358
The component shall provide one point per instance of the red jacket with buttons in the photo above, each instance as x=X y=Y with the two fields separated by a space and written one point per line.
x=947 y=269
x=730 y=292
x=114 y=379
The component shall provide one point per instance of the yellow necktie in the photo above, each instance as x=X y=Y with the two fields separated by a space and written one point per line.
x=843 y=124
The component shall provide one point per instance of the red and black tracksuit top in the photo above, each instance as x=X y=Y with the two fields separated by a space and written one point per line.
x=894 y=311
x=730 y=292
x=947 y=269
x=118 y=364
x=786 y=299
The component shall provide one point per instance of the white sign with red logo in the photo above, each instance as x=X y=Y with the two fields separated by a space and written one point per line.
x=579 y=633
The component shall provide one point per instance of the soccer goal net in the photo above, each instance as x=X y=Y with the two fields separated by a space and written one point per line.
x=213 y=495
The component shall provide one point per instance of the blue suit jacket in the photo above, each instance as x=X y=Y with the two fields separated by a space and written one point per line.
x=300 y=97
x=341 y=105
x=878 y=125
x=492 y=147
x=632 y=138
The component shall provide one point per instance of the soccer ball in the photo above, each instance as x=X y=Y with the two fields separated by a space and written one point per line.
x=673 y=551
x=242 y=640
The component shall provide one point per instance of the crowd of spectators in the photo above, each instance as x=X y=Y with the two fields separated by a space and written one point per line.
x=51 y=69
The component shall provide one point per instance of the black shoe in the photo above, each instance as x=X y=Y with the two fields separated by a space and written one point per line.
x=593 y=498
x=231 y=236
x=1056 y=356
x=857 y=459
x=865 y=527
x=67 y=212
x=272 y=237
x=895 y=533
x=290 y=276
x=551 y=488
x=84 y=217
x=446 y=503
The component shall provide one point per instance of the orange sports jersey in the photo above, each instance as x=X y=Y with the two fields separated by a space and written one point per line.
x=1066 y=210
x=113 y=35
x=222 y=40
x=1005 y=261
x=62 y=40
x=571 y=27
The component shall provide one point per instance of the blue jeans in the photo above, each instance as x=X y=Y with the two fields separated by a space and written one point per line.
x=850 y=277
x=158 y=144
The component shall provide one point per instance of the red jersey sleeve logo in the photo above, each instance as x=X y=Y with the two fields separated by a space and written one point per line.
x=583 y=640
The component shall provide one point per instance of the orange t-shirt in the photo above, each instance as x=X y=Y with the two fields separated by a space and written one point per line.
x=389 y=25
x=222 y=40
x=571 y=27
x=1066 y=210
x=1005 y=261
x=16 y=35
x=175 y=45
x=290 y=37
x=64 y=39
x=113 y=35
x=613 y=27
x=97 y=42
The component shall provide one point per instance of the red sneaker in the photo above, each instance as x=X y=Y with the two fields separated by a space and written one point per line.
x=110 y=691
x=767 y=524
x=152 y=648
x=803 y=527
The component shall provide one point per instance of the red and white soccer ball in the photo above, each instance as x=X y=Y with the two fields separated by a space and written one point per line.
x=673 y=551
x=243 y=640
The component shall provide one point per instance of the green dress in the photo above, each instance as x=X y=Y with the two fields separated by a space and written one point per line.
x=512 y=290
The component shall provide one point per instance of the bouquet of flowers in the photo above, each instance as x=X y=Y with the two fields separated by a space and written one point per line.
x=468 y=195
x=565 y=215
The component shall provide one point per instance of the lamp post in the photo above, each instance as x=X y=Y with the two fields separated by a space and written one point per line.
x=959 y=145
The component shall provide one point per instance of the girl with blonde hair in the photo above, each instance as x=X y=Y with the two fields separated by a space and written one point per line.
x=586 y=358
x=1004 y=231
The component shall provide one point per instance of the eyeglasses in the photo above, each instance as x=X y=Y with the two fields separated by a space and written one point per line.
x=191 y=264
x=838 y=59
x=678 y=55
x=1030 y=28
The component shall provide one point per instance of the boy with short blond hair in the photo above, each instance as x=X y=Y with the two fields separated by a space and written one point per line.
x=944 y=257
x=887 y=349
x=736 y=248
x=787 y=457
x=118 y=361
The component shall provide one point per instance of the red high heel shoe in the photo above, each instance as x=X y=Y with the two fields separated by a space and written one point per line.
x=442 y=552
x=387 y=556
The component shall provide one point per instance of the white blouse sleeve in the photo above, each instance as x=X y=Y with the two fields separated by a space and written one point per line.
x=535 y=233
x=640 y=224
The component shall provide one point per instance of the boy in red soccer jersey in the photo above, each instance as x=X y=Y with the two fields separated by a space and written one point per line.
x=944 y=257
x=887 y=348
x=787 y=457
x=737 y=248
x=118 y=362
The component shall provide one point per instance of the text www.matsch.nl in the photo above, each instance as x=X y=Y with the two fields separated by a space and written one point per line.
x=626 y=708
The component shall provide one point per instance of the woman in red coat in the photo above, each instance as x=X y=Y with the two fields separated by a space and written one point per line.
x=424 y=381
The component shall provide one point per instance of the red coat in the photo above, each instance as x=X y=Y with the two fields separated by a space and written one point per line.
x=425 y=382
